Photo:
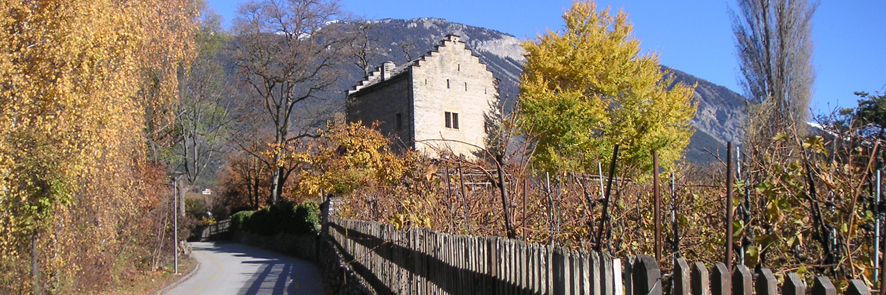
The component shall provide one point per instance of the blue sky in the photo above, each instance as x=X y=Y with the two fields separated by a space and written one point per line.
x=692 y=36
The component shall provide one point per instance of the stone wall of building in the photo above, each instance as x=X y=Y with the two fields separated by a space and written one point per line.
x=383 y=102
x=453 y=80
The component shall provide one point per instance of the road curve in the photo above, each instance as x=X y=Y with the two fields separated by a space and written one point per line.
x=230 y=268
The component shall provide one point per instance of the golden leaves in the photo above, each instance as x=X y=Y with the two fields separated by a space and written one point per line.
x=588 y=87
x=72 y=96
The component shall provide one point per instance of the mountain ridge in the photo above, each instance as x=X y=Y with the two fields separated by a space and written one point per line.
x=720 y=115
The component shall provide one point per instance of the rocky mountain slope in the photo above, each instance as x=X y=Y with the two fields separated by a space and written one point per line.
x=720 y=110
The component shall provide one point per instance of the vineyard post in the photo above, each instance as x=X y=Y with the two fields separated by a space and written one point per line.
x=606 y=200
x=656 y=192
x=728 y=222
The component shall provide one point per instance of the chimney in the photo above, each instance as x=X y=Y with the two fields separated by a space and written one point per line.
x=453 y=37
x=386 y=69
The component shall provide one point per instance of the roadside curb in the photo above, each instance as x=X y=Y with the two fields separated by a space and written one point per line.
x=196 y=267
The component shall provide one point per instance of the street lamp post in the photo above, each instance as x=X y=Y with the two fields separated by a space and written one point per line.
x=175 y=219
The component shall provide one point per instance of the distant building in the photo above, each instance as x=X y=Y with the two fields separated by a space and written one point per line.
x=438 y=101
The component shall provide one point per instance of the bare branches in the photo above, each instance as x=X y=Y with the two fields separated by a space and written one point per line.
x=288 y=52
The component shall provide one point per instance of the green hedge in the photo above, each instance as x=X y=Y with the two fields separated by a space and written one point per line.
x=284 y=217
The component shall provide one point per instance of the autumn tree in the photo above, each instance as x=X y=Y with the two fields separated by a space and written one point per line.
x=77 y=79
x=588 y=88
x=345 y=157
x=287 y=54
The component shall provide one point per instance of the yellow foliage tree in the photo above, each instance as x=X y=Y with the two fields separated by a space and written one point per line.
x=588 y=87
x=77 y=79
x=345 y=157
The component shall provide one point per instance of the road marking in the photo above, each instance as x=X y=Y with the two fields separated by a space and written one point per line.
x=198 y=289
x=212 y=277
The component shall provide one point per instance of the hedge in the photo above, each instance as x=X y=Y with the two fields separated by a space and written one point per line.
x=283 y=217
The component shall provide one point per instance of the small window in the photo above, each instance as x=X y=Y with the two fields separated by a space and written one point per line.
x=426 y=81
x=459 y=67
x=447 y=83
x=399 y=121
x=466 y=86
x=451 y=120
x=454 y=120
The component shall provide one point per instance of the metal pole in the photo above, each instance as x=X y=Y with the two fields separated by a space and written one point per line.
x=656 y=192
x=606 y=200
x=175 y=222
x=550 y=205
x=676 y=246
x=600 y=172
x=744 y=207
x=877 y=233
x=729 y=218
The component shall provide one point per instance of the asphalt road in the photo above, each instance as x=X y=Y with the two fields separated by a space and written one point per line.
x=229 y=268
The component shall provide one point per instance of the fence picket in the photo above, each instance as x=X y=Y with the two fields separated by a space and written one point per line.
x=647 y=276
x=766 y=283
x=606 y=286
x=629 y=275
x=823 y=286
x=617 y=283
x=700 y=280
x=721 y=282
x=421 y=261
x=857 y=287
x=793 y=285
x=681 y=279
x=742 y=282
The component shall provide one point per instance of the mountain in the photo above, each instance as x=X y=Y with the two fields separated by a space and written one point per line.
x=720 y=111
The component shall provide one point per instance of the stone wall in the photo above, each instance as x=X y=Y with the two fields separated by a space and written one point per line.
x=451 y=79
x=382 y=102
x=448 y=79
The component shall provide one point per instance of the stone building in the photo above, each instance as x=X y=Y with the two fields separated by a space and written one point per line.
x=439 y=101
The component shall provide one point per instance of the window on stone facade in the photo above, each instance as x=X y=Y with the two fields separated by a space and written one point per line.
x=398 y=121
x=451 y=120
x=447 y=83
x=459 y=67
x=466 y=86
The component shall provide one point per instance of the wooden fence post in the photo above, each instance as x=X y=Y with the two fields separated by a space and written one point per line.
x=701 y=284
x=618 y=283
x=721 y=283
x=766 y=283
x=681 y=278
x=823 y=286
x=857 y=287
x=606 y=274
x=594 y=273
x=793 y=285
x=742 y=281
x=586 y=264
x=628 y=273
x=647 y=276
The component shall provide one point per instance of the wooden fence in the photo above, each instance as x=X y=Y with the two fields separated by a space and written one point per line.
x=215 y=231
x=420 y=261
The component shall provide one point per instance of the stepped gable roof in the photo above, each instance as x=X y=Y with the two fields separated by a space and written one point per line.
x=377 y=77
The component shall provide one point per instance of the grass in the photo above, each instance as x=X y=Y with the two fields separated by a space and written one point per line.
x=148 y=283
